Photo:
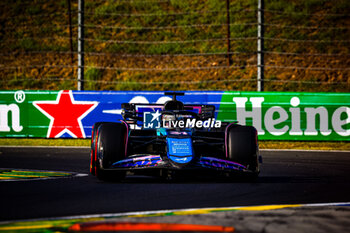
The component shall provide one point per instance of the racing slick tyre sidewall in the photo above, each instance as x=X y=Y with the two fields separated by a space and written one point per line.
x=242 y=147
x=110 y=148
x=93 y=146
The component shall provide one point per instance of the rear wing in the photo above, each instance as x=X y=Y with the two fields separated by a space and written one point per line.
x=135 y=111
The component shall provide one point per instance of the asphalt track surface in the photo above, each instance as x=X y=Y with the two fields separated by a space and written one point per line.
x=287 y=177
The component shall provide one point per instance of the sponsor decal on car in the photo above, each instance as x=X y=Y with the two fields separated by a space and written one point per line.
x=155 y=120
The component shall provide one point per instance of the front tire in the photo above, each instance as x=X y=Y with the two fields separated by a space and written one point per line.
x=93 y=156
x=111 y=144
x=242 y=146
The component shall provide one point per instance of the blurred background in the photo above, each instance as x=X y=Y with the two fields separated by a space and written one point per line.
x=176 y=45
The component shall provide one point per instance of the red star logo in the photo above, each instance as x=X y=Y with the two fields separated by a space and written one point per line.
x=65 y=114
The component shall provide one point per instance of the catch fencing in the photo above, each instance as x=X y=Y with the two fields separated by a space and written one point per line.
x=157 y=45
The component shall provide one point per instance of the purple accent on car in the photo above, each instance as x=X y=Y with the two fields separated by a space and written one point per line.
x=220 y=163
x=156 y=160
x=199 y=108
x=127 y=137
x=142 y=161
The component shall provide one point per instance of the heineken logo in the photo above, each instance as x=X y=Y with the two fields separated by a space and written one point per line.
x=13 y=109
x=281 y=116
x=278 y=121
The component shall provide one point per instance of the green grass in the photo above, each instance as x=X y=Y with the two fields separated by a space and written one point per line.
x=214 y=12
x=262 y=144
x=25 y=27
x=299 y=145
x=93 y=74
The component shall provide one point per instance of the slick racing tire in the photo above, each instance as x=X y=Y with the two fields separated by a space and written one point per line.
x=111 y=144
x=242 y=146
x=93 y=157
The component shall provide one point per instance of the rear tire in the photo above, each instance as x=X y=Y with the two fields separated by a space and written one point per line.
x=111 y=144
x=242 y=146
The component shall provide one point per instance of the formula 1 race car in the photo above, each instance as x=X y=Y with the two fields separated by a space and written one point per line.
x=172 y=138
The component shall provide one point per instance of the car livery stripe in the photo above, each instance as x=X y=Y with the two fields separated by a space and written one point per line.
x=127 y=137
x=146 y=161
x=219 y=163
x=95 y=156
x=91 y=152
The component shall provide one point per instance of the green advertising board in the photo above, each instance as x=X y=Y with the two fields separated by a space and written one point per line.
x=19 y=117
x=290 y=116
x=276 y=115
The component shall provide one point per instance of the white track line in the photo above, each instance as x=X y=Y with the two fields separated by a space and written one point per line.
x=112 y=215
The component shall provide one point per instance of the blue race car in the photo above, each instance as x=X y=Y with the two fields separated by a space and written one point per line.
x=172 y=138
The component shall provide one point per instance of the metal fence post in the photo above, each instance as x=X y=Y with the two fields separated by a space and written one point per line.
x=70 y=32
x=260 y=55
x=229 y=61
x=80 y=45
